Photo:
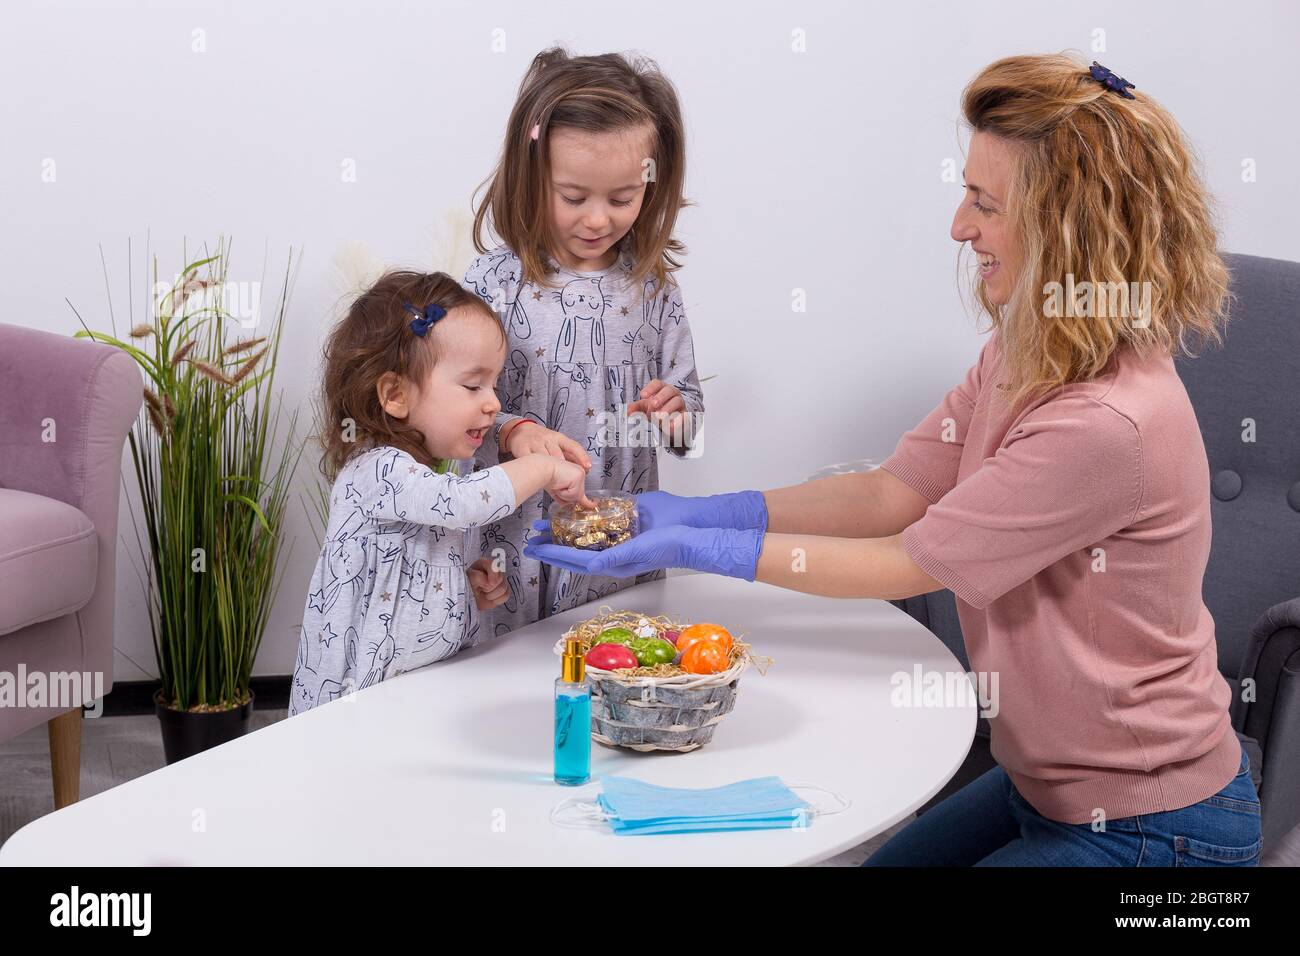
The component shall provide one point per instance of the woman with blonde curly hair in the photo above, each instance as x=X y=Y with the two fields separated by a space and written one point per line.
x=1061 y=491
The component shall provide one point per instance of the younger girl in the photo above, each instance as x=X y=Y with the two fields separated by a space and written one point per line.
x=407 y=389
x=585 y=199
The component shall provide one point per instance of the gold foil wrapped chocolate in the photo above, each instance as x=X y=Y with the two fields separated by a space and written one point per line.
x=611 y=522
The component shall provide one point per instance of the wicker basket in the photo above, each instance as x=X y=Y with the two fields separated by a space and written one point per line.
x=678 y=713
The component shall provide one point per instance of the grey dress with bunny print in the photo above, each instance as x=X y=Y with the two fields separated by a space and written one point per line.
x=576 y=352
x=389 y=592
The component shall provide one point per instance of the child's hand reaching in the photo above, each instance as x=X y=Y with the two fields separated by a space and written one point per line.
x=567 y=484
x=490 y=587
x=663 y=405
x=529 y=438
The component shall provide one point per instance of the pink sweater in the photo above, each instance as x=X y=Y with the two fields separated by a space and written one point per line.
x=1075 y=537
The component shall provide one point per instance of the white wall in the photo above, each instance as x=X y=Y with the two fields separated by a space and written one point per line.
x=818 y=170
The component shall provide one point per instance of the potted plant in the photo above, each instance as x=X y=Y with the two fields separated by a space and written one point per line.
x=212 y=491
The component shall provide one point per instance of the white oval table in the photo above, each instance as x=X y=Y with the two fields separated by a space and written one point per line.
x=451 y=764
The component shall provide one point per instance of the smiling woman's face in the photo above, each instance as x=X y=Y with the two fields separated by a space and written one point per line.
x=982 y=218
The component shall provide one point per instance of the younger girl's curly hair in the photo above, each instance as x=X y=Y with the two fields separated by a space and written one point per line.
x=373 y=338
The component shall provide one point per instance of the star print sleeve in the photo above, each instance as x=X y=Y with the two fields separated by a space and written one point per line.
x=676 y=358
x=395 y=487
x=481 y=279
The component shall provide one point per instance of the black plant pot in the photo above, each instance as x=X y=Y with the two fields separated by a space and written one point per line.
x=185 y=734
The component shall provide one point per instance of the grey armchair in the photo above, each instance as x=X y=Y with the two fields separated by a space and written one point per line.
x=65 y=408
x=1252 y=583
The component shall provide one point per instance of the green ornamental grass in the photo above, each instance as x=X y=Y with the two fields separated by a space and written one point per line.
x=212 y=486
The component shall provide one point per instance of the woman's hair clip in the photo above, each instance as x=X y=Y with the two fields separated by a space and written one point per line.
x=1112 y=82
x=431 y=314
x=535 y=131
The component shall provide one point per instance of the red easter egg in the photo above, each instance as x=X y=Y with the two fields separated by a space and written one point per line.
x=608 y=657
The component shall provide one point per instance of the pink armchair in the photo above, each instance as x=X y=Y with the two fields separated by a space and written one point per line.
x=66 y=406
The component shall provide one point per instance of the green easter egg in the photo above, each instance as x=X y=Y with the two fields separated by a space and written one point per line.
x=650 y=651
x=615 y=635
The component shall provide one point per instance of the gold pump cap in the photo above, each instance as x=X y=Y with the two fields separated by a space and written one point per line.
x=575 y=668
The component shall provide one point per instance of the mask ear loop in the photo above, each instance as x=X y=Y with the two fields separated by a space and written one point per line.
x=593 y=816
x=817 y=811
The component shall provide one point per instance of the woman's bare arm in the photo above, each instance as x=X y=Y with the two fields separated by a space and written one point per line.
x=841 y=537
x=865 y=504
x=842 y=567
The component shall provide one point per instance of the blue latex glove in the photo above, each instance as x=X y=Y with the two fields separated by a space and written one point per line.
x=741 y=510
x=726 y=551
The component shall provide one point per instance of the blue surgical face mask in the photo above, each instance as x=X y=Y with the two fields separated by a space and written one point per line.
x=631 y=807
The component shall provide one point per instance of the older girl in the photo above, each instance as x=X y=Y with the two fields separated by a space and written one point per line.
x=585 y=201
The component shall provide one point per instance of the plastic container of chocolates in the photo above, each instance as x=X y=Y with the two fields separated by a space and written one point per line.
x=611 y=522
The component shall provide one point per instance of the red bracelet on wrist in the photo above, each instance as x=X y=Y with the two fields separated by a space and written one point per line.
x=515 y=424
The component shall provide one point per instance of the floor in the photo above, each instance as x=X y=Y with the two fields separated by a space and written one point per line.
x=117 y=749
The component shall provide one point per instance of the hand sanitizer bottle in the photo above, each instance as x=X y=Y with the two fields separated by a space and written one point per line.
x=573 y=718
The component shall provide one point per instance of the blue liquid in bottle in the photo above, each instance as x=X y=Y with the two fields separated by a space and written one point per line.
x=572 y=732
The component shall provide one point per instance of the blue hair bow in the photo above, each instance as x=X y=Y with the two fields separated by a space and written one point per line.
x=431 y=314
x=1112 y=82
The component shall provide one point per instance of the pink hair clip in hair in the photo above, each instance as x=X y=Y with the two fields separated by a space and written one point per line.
x=537 y=129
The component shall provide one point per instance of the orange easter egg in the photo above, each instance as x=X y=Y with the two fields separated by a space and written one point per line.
x=704 y=657
x=715 y=633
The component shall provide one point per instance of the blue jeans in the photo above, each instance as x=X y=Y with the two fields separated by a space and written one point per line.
x=988 y=823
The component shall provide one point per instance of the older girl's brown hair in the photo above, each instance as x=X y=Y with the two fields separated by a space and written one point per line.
x=596 y=94
x=373 y=338
x=1104 y=189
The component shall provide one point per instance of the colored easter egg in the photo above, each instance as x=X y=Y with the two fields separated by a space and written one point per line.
x=650 y=651
x=714 y=633
x=704 y=657
x=615 y=635
x=608 y=657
